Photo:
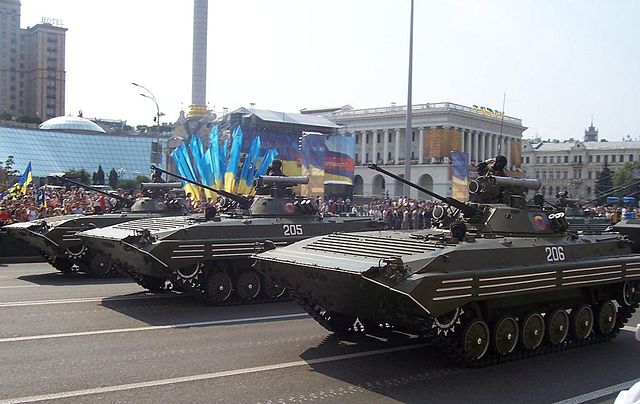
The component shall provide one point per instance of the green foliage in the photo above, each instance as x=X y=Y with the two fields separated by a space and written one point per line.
x=624 y=176
x=28 y=119
x=113 y=178
x=132 y=184
x=81 y=174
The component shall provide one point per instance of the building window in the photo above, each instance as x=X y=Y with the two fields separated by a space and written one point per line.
x=357 y=139
x=544 y=175
x=580 y=159
x=357 y=158
x=589 y=174
x=590 y=159
x=566 y=159
x=606 y=158
x=389 y=156
x=613 y=158
x=631 y=157
x=527 y=159
x=558 y=174
x=544 y=160
x=550 y=159
x=537 y=159
x=598 y=158
x=565 y=175
x=377 y=157
x=550 y=175
x=377 y=137
x=366 y=158
x=621 y=158
x=580 y=174
x=537 y=174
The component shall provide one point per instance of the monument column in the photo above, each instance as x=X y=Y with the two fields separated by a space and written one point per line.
x=397 y=151
x=385 y=146
x=374 y=146
x=421 y=146
x=363 y=147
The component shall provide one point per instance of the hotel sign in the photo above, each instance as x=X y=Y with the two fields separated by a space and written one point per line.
x=52 y=21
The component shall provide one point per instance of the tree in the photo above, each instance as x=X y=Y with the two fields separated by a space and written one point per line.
x=624 y=177
x=604 y=183
x=98 y=177
x=81 y=174
x=8 y=166
x=113 y=178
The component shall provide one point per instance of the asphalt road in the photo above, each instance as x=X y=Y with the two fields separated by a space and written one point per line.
x=71 y=339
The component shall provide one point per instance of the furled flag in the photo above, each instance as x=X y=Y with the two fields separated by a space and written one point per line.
x=234 y=158
x=459 y=175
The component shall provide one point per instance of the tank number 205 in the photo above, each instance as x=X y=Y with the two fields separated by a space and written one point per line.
x=554 y=254
x=292 y=229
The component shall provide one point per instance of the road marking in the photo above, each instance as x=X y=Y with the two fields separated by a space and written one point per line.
x=19 y=286
x=153 y=328
x=205 y=376
x=86 y=300
x=599 y=393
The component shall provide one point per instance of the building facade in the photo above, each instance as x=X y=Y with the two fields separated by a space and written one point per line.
x=438 y=129
x=32 y=66
x=574 y=165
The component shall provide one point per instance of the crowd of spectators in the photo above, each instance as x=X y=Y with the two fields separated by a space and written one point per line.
x=55 y=201
x=400 y=213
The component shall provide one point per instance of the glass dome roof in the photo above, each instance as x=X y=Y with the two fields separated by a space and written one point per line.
x=71 y=123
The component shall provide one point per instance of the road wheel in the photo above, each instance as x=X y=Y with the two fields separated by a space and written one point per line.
x=505 y=335
x=606 y=317
x=248 y=285
x=99 y=265
x=557 y=324
x=582 y=321
x=272 y=289
x=630 y=293
x=532 y=330
x=218 y=286
x=475 y=339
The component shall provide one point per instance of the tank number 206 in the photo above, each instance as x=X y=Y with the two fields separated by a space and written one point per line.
x=292 y=229
x=554 y=254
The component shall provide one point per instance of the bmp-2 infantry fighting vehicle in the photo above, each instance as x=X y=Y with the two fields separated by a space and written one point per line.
x=56 y=240
x=211 y=257
x=578 y=218
x=501 y=280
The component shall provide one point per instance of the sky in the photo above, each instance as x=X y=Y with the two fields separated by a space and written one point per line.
x=558 y=62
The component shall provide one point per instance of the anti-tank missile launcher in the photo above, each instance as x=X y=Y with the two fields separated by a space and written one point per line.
x=56 y=240
x=498 y=279
x=211 y=259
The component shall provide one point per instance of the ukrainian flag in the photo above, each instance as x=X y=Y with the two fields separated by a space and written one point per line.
x=234 y=158
x=459 y=189
x=20 y=187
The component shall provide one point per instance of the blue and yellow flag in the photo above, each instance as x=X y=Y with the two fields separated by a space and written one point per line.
x=214 y=156
x=249 y=167
x=20 y=187
x=459 y=176
x=234 y=158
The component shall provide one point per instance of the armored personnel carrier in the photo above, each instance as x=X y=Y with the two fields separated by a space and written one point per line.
x=498 y=280
x=578 y=218
x=210 y=257
x=56 y=240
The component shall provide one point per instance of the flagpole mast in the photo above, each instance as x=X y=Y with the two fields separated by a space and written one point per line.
x=408 y=131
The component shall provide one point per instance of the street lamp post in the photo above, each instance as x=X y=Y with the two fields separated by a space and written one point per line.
x=155 y=101
x=155 y=152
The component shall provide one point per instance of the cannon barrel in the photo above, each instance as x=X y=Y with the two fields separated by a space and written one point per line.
x=161 y=185
x=528 y=183
x=466 y=209
x=243 y=201
x=269 y=180
x=127 y=202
